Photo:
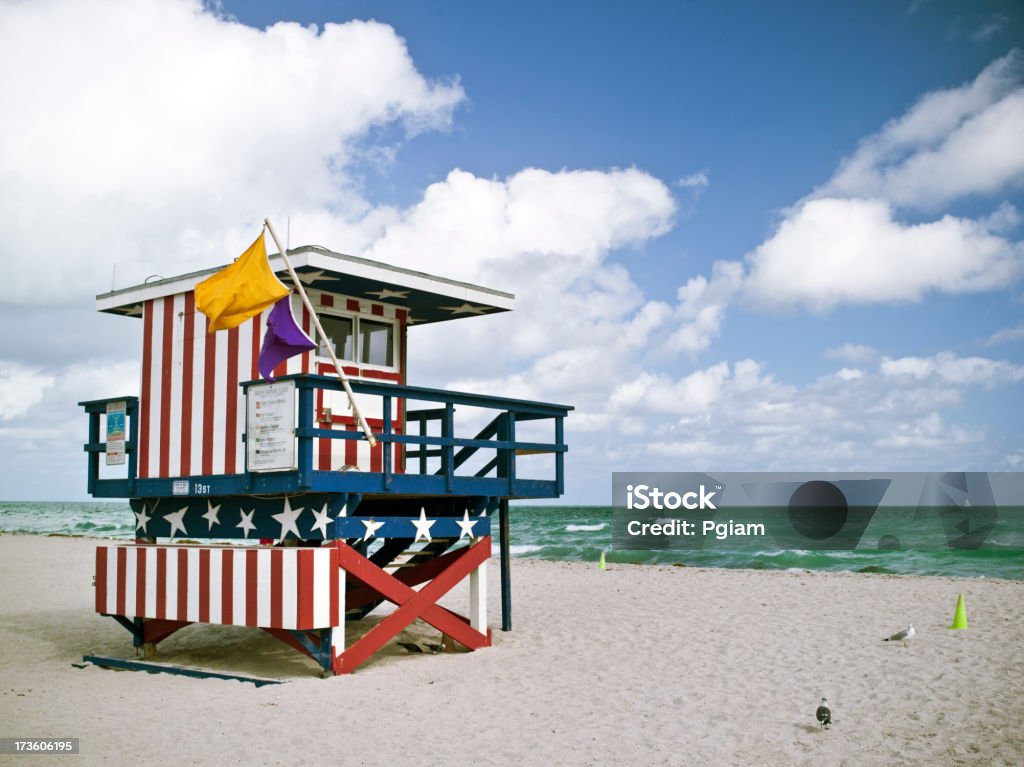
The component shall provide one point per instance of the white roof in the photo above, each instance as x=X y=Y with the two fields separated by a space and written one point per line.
x=427 y=297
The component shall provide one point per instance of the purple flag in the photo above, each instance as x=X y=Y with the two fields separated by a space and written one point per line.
x=283 y=339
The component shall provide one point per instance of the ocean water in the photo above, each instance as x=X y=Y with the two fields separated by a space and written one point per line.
x=583 y=532
x=92 y=518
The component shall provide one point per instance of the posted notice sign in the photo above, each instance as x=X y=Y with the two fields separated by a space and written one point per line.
x=270 y=426
x=115 y=433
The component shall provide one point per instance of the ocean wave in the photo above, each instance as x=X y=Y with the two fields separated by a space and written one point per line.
x=585 y=528
x=516 y=549
x=782 y=553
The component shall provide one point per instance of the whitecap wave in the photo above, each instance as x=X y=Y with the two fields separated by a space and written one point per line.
x=522 y=548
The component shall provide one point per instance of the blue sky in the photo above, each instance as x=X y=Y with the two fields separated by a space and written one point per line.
x=855 y=170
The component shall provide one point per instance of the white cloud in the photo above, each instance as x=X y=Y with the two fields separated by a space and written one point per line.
x=854 y=353
x=702 y=307
x=952 y=143
x=990 y=27
x=545 y=236
x=466 y=225
x=696 y=183
x=698 y=180
x=1003 y=220
x=847 y=243
x=650 y=393
x=155 y=133
x=61 y=386
x=961 y=371
x=887 y=415
x=42 y=428
x=930 y=433
x=21 y=388
x=1005 y=336
x=836 y=251
x=916 y=5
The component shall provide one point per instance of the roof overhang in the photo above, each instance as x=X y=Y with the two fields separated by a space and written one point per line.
x=428 y=298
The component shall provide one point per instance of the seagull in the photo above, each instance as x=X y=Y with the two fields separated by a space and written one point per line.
x=824 y=714
x=902 y=636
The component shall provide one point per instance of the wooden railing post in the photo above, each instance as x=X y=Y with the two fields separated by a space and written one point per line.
x=510 y=453
x=424 y=429
x=305 y=441
x=94 y=457
x=559 y=455
x=448 y=451
x=386 y=445
x=133 y=444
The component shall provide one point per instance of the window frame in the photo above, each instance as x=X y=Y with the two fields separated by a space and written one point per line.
x=355 y=338
x=356 y=317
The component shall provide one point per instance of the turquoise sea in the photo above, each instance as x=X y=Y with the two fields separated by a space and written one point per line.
x=583 y=532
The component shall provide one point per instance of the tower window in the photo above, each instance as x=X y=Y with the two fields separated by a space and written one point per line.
x=340 y=335
x=356 y=339
x=376 y=343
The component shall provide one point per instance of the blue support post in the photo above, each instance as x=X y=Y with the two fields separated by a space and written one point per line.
x=133 y=443
x=510 y=430
x=326 y=659
x=138 y=634
x=448 y=451
x=133 y=626
x=305 y=441
x=559 y=456
x=501 y=454
x=246 y=474
x=318 y=649
x=385 y=442
x=94 y=457
x=424 y=431
x=506 y=568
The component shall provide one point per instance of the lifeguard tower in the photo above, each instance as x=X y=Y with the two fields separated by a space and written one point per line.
x=303 y=525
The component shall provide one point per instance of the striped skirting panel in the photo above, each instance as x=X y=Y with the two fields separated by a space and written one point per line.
x=284 y=588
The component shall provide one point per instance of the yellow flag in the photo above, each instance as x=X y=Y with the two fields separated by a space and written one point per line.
x=241 y=290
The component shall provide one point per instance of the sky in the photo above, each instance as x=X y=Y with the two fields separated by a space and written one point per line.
x=742 y=236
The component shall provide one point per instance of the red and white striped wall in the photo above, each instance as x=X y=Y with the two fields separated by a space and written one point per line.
x=282 y=588
x=192 y=410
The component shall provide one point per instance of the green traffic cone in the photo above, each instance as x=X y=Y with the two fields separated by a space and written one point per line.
x=600 y=562
x=960 y=616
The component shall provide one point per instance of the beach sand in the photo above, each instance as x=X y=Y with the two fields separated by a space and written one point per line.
x=633 y=665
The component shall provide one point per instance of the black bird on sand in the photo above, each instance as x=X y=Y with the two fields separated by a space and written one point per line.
x=824 y=714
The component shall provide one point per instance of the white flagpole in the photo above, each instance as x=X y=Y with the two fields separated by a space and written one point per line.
x=319 y=329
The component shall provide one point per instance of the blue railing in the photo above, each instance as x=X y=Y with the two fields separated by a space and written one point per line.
x=111 y=488
x=454 y=447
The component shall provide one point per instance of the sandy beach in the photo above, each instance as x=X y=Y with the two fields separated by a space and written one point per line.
x=632 y=665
